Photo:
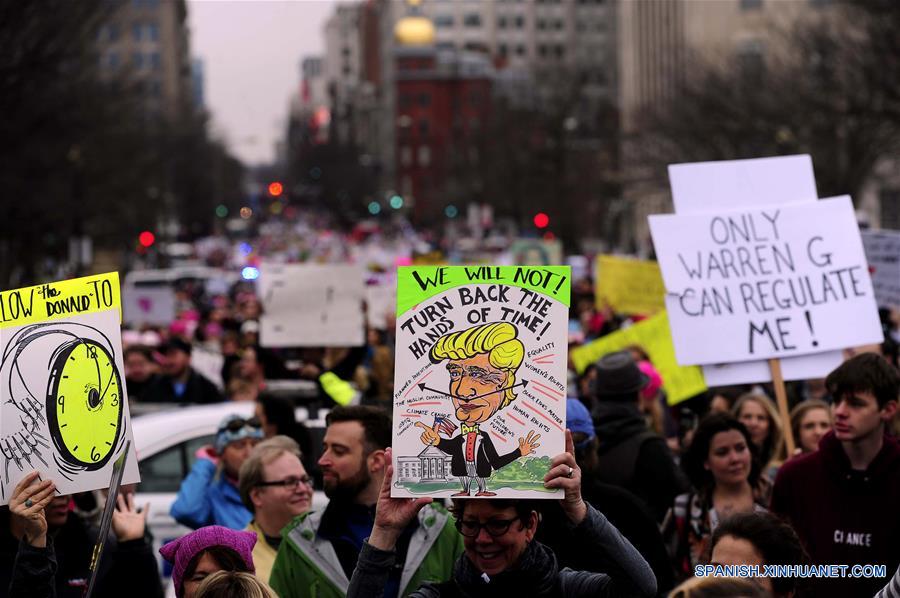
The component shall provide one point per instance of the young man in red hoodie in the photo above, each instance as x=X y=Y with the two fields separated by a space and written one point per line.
x=843 y=499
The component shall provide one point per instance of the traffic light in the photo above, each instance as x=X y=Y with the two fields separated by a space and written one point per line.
x=276 y=189
x=146 y=239
x=541 y=220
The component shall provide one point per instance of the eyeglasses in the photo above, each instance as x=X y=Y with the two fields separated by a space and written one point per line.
x=289 y=482
x=494 y=527
x=236 y=425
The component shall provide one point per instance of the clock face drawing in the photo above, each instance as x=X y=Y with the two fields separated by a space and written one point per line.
x=84 y=404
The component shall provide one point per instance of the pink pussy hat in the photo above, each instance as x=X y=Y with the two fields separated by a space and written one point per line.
x=180 y=552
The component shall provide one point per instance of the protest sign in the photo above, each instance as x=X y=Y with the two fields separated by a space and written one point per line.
x=311 y=305
x=653 y=336
x=883 y=253
x=63 y=402
x=152 y=306
x=480 y=379
x=381 y=300
x=629 y=285
x=765 y=282
x=702 y=186
x=732 y=184
x=536 y=252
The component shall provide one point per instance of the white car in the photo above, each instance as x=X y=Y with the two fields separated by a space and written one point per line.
x=166 y=441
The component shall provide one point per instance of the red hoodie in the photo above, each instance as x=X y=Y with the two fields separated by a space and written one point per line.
x=843 y=517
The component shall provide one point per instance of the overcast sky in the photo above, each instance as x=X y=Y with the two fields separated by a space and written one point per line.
x=251 y=50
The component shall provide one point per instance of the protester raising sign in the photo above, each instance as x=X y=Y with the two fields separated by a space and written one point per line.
x=629 y=285
x=311 y=305
x=63 y=402
x=653 y=336
x=480 y=379
x=766 y=282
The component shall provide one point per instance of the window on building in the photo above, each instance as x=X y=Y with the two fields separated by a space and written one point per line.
x=424 y=99
x=445 y=45
x=560 y=51
x=503 y=50
x=542 y=50
x=424 y=157
x=443 y=21
x=137 y=60
x=405 y=100
x=152 y=32
x=405 y=155
x=559 y=24
x=541 y=25
x=423 y=128
x=155 y=61
x=751 y=4
x=520 y=50
x=472 y=19
x=108 y=33
x=520 y=22
x=137 y=31
x=501 y=22
x=890 y=208
x=110 y=60
x=153 y=88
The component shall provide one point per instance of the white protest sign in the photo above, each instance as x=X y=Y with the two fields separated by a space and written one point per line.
x=63 y=401
x=765 y=282
x=700 y=186
x=883 y=252
x=381 y=300
x=153 y=306
x=480 y=379
x=311 y=305
x=705 y=186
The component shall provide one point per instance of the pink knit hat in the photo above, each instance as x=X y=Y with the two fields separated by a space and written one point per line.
x=649 y=391
x=180 y=552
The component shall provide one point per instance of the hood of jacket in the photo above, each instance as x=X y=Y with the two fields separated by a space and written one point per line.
x=615 y=422
x=885 y=464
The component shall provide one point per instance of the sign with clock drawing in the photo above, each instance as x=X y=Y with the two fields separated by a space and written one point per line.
x=63 y=401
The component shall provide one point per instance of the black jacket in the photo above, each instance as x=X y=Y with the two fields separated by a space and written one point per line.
x=627 y=513
x=198 y=389
x=128 y=568
x=536 y=574
x=487 y=459
x=634 y=458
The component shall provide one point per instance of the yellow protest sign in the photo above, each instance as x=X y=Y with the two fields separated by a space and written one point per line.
x=61 y=299
x=655 y=338
x=629 y=285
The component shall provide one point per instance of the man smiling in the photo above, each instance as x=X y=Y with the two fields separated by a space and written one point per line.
x=483 y=362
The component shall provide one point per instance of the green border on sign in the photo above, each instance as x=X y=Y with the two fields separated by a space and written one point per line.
x=416 y=284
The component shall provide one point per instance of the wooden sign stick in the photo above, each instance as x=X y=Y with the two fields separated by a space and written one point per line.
x=781 y=399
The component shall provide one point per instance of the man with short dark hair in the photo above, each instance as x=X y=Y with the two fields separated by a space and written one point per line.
x=842 y=499
x=320 y=548
x=180 y=383
x=630 y=455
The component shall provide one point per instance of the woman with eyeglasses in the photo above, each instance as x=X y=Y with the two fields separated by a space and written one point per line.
x=501 y=556
x=209 y=494
x=275 y=487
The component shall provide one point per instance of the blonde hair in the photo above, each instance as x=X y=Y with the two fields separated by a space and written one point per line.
x=226 y=584
x=505 y=351
x=262 y=454
x=773 y=450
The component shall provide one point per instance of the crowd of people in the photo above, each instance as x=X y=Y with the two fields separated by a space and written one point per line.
x=651 y=492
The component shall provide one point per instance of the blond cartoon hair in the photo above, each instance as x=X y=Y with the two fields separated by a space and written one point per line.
x=505 y=351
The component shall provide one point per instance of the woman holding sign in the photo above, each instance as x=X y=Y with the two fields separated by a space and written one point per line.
x=501 y=556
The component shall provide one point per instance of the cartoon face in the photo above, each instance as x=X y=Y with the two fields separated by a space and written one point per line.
x=84 y=404
x=474 y=386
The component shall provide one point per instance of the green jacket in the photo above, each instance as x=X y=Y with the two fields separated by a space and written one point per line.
x=308 y=567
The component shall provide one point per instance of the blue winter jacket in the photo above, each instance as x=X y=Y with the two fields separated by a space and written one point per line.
x=203 y=500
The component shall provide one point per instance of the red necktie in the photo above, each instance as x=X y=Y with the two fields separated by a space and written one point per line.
x=470 y=446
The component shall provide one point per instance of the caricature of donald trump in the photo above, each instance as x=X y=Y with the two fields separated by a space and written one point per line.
x=482 y=362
